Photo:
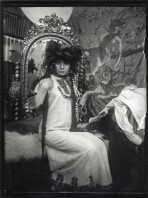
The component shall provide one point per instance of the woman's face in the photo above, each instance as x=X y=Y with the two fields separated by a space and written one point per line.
x=62 y=68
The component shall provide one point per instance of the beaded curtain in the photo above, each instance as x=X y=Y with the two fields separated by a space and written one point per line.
x=96 y=28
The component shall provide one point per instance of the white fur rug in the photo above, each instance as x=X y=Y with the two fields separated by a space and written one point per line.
x=18 y=146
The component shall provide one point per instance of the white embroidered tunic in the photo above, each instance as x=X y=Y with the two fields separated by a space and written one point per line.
x=76 y=159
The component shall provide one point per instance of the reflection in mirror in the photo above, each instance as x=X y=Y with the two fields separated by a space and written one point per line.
x=37 y=54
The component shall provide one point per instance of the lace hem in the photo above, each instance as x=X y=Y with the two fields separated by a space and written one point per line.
x=73 y=187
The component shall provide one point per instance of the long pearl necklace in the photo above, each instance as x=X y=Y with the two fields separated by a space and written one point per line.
x=77 y=98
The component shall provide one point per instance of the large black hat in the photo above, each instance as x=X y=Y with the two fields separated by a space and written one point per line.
x=56 y=51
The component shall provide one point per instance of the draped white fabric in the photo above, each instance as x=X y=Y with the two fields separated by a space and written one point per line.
x=8 y=41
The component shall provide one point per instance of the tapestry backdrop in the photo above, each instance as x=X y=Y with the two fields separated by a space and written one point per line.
x=113 y=39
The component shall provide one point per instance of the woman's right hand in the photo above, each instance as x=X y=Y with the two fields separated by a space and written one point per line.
x=43 y=86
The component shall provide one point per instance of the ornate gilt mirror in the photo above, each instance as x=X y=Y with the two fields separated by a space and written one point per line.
x=50 y=28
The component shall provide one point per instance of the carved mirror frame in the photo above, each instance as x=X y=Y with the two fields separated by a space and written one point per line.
x=50 y=28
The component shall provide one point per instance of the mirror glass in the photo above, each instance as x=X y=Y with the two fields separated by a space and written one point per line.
x=37 y=54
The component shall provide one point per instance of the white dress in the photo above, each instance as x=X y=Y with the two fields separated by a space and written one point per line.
x=77 y=159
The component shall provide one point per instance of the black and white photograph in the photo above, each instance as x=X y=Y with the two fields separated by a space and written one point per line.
x=73 y=99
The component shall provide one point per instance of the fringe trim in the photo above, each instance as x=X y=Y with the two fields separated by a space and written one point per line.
x=91 y=187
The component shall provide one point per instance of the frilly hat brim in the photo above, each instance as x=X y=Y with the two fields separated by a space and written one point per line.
x=56 y=51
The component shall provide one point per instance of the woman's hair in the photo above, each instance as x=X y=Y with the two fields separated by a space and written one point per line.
x=56 y=51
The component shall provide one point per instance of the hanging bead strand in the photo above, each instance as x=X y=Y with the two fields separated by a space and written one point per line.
x=16 y=102
x=77 y=98
x=81 y=83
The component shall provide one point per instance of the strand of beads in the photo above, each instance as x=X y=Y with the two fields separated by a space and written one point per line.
x=77 y=98
x=82 y=83
x=81 y=77
x=16 y=88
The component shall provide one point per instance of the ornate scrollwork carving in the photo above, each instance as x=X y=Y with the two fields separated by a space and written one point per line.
x=51 y=24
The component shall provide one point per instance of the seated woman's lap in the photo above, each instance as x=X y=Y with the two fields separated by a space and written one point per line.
x=73 y=141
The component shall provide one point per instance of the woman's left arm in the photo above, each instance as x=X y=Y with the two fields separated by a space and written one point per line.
x=87 y=94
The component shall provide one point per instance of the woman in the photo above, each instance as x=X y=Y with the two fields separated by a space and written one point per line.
x=77 y=159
